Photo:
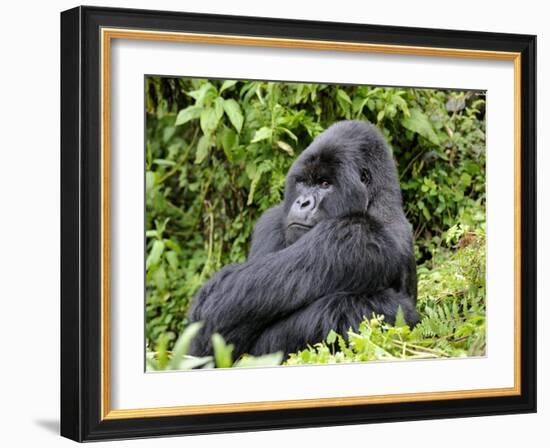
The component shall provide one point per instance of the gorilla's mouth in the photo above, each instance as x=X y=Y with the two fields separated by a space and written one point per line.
x=299 y=225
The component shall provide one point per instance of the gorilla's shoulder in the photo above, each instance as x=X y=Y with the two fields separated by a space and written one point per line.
x=268 y=235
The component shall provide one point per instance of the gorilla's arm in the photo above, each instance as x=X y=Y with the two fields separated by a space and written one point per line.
x=354 y=254
x=339 y=312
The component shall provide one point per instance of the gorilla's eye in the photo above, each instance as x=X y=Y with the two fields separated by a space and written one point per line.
x=323 y=183
x=365 y=177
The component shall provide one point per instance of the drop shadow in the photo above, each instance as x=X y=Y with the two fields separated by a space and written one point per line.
x=51 y=426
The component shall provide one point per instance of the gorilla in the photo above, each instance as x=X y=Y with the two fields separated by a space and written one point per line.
x=336 y=250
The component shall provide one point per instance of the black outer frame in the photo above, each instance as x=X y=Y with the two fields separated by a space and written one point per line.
x=81 y=223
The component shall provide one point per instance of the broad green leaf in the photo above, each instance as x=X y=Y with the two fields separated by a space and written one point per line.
x=209 y=120
x=222 y=352
x=358 y=105
x=181 y=347
x=159 y=276
x=172 y=258
x=331 y=337
x=342 y=94
x=229 y=141
x=419 y=123
x=233 y=112
x=203 y=93
x=262 y=134
x=218 y=107
x=270 y=360
x=170 y=244
x=156 y=252
x=168 y=133
x=227 y=84
x=251 y=170
x=188 y=114
x=402 y=104
x=202 y=149
x=149 y=180
x=466 y=179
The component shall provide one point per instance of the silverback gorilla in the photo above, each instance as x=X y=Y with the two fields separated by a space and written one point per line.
x=336 y=250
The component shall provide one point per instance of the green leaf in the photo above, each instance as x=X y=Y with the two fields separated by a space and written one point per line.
x=253 y=185
x=466 y=179
x=188 y=114
x=151 y=363
x=172 y=258
x=359 y=105
x=262 y=134
x=229 y=141
x=419 y=123
x=183 y=343
x=164 y=162
x=192 y=362
x=149 y=180
x=209 y=120
x=156 y=252
x=426 y=213
x=400 y=318
x=168 y=133
x=285 y=147
x=202 y=149
x=291 y=134
x=227 y=84
x=233 y=112
x=342 y=94
x=203 y=93
x=159 y=277
x=331 y=337
x=270 y=360
x=222 y=352
x=218 y=107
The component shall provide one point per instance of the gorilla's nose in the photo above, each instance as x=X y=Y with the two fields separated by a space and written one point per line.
x=305 y=203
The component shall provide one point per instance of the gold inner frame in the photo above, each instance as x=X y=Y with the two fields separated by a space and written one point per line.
x=107 y=35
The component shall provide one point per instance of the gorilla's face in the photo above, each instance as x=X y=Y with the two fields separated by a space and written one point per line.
x=325 y=182
x=315 y=186
x=347 y=169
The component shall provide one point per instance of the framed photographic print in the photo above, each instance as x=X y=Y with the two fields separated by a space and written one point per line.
x=273 y=223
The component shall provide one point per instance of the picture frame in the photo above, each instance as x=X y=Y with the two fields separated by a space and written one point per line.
x=87 y=35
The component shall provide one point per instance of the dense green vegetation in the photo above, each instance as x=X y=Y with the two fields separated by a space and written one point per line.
x=216 y=157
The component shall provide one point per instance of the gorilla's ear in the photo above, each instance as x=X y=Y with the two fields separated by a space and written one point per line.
x=365 y=176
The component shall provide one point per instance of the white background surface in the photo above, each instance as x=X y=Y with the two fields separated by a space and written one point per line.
x=29 y=185
x=132 y=388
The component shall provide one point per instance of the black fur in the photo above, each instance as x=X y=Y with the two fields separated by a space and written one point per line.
x=300 y=282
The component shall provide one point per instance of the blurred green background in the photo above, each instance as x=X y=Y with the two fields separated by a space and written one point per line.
x=217 y=153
